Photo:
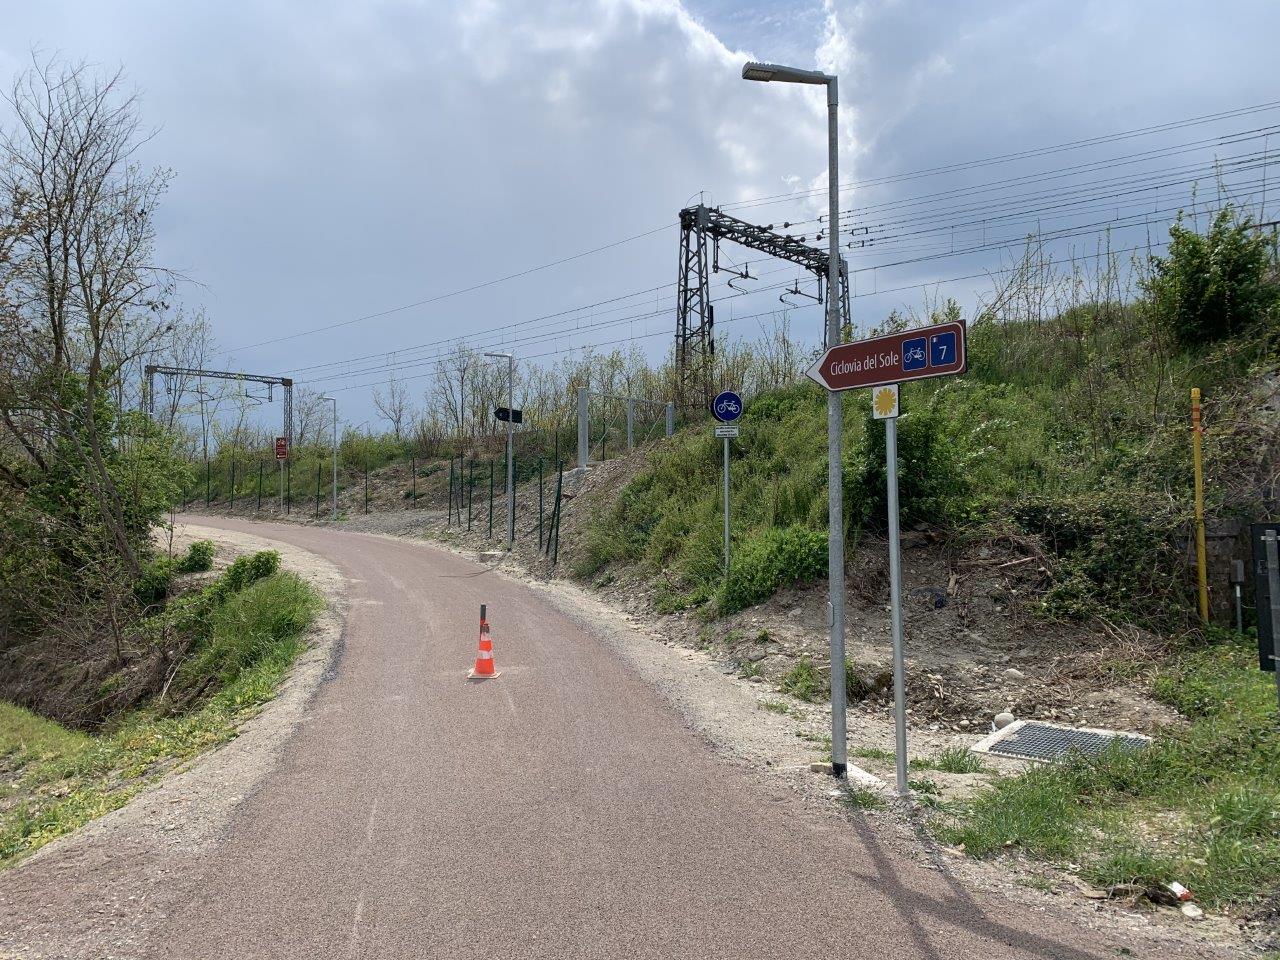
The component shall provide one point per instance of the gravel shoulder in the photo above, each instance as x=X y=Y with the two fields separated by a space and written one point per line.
x=108 y=888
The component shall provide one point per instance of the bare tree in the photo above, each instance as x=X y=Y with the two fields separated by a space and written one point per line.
x=310 y=416
x=393 y=406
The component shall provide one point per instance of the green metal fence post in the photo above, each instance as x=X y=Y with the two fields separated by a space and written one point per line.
x=471 y=489
x=413 y=469
x=318 y=466
x=555 y=523
x=258 y=507
x=490 y=499
x=448 y=517
x=233 y=483
x=366 y=486
x=539 y=504
x=206 y=482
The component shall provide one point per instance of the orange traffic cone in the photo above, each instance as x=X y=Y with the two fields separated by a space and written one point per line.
x=484 y=668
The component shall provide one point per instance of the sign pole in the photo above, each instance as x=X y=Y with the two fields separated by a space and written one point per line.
x=1197 y=432
x=726 y=408
x=895 y=601
x=726 y=508
x=1269 y=539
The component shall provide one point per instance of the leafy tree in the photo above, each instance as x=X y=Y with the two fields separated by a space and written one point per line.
x=1215 y=285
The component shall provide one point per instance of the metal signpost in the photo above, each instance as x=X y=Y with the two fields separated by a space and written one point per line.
x=836 y=276
x=1266 y=592
x=282 y=454
x=334 y=401
x=726 y=408
x=883 y=363
x=510 y=418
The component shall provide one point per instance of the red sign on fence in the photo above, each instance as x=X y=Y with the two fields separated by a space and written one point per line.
x=911 y=355
x=282 y=448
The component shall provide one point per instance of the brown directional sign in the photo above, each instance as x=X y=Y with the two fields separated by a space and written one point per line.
x=935 y=351
x=282 y=448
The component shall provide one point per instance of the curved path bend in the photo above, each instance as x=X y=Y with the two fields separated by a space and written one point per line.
x=560 y=811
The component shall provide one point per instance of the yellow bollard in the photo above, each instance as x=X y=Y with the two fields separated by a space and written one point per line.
x=1197 y=433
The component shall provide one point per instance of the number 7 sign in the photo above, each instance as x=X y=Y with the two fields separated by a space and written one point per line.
x=942 y=349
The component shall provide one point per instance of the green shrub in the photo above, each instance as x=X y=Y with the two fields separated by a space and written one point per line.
x=931 y=486
x=1114 y=549
x=199 y=558
x=152 y=587
x=245 y=571
x=772 y=559
x=1215 y=285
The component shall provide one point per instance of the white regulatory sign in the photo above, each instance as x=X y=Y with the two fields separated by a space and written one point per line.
x=726 y=431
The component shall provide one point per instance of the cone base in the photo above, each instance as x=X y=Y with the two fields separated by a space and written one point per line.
x=472 y=675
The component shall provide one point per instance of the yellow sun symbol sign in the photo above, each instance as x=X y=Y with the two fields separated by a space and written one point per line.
x=886 y=402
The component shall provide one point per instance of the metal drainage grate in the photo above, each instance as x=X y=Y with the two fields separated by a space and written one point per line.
x=1028 y=740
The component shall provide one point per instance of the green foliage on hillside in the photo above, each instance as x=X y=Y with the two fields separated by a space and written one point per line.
x=1071 y=427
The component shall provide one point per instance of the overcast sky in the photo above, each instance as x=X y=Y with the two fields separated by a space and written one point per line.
x=338 y=159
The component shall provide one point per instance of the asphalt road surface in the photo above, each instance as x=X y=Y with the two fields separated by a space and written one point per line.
x=562 y=810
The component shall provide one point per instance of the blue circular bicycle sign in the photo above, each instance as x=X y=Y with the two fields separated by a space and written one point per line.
x=726 y=407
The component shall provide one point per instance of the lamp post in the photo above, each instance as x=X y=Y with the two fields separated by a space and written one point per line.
x=334 y=401
x=511 y=475
x=766 y=73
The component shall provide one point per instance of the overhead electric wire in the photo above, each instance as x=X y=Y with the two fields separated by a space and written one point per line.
x=1039 y=215
x=1010 y=157
x=1059 y=173
x=1092 y=192
x=884 y=242
x=454 y=293
x=506 y=326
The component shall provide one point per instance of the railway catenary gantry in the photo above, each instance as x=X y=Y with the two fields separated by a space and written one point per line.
x=285 y=382
x=701 y=230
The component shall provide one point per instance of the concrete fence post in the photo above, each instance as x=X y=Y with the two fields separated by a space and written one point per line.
x=671 y=418
x=631 y=424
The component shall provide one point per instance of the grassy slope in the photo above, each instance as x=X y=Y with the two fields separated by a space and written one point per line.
x=55 y=780
x=1048 y=438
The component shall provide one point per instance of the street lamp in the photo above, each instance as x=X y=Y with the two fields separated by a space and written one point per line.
x=767 y=73
x=511 y=475
x=334 y=401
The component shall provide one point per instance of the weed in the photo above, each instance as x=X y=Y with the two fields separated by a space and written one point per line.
x=874 y=753
x=775 y=706
x=957 y=760
x=805 y=682
x=751 y=669
x=198 y=559
x=861 y=798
